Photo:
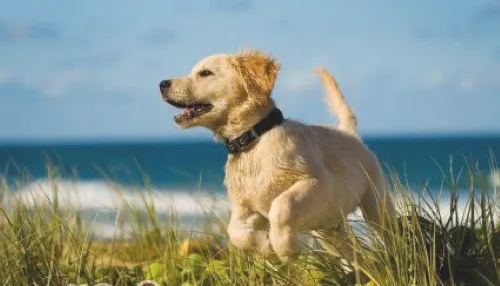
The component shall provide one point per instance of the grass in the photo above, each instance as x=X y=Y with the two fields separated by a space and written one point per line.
x=45 y=244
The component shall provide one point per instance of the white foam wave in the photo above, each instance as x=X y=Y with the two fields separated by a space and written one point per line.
x=444 y=208
x=495 y=178
x=104 y=196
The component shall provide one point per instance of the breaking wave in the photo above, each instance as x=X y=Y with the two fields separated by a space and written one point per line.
x=105 y=196
x=93 y=197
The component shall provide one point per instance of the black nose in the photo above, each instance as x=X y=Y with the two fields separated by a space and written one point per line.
x=165 y=84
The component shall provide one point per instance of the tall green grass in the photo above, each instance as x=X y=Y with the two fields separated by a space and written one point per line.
x=46 y=244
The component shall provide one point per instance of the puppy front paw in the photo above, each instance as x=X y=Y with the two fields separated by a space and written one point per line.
x=289 y=258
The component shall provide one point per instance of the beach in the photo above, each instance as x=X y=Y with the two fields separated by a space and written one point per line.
x=125 y=212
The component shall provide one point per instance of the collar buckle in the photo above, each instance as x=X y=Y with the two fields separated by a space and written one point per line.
x=254 y=133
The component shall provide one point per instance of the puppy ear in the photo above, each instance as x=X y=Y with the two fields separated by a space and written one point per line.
x=259 y=72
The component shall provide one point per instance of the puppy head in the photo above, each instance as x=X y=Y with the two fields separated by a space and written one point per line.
x=221 y=89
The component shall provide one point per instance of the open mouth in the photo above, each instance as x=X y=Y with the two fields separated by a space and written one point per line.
x=190 y=111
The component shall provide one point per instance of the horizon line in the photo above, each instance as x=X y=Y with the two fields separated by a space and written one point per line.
x=204 y=139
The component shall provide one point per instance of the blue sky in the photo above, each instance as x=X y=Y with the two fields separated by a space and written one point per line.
x=89 y=69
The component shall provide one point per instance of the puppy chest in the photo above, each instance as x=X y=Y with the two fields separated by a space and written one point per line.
x=250 y=189
x=257 y=187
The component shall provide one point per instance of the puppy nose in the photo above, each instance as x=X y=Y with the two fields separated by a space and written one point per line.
x=165 y=84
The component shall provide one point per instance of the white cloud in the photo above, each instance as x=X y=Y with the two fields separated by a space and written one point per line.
x=61 y=82
x=300 y=80
x=5 y=75
x=51 y=85
x=467 y=82
x=435 y=79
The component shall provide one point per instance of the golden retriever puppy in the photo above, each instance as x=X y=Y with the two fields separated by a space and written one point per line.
x=282 y=176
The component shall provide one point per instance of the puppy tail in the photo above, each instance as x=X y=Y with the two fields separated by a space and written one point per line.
x=347 y=120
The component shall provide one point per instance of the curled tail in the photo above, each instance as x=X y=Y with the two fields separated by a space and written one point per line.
x=347 y=120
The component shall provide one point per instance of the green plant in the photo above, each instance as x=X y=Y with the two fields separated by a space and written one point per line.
x=45 y=244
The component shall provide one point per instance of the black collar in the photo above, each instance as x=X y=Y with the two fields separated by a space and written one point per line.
x=274 y=118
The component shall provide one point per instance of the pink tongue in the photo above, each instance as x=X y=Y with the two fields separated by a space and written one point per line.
x=187 y=112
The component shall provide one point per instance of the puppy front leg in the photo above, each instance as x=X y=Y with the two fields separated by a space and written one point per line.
x=299 y=208
x=249 y=231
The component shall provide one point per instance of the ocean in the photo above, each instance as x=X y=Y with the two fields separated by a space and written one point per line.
x=187 y=177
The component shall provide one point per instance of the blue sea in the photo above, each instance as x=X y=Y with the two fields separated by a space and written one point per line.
x=186 y=177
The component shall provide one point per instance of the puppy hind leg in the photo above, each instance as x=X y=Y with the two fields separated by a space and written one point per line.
x=376 y=205
x=337 y=242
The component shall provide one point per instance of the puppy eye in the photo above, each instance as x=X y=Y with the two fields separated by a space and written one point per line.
x=205 y=73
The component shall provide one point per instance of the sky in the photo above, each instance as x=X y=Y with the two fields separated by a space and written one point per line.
x=79 y=70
